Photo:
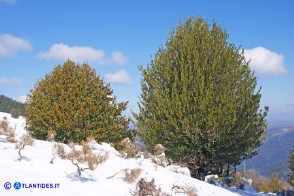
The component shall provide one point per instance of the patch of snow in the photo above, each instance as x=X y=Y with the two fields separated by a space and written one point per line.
x=179 y=169
x=35 y=168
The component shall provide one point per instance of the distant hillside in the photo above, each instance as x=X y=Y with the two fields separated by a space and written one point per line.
x=6 y=104
x=274 y=153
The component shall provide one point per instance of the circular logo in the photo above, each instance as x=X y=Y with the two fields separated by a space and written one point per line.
x=17 y=185
x=7 y=185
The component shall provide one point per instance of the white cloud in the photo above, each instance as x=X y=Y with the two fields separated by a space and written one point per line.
x=11 y=81
x=75 y=53
x=82 y=54
x=22 y=99
x=119 y=77
x=10 y=2
x=10 y=45
x=265 y=62
x=118 y=58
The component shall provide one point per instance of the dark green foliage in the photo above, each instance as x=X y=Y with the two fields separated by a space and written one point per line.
x=76 y=104
x=15 y=113
x=199 y=100
x=291 y=161
x=7 y=104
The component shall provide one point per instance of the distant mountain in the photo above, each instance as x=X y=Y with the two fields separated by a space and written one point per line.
x=274 y=154
x=6 y=104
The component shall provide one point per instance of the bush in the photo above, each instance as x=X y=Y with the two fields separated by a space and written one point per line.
x=76 y=104
x=264 y=184
x=159 y=156
x=144 y=188
x=59 y=151
x=85 y=156
x=25 y=140
x=4 y=125
x=51 y=135
x=186 y=189
x=10 y=135
x=6 y=130
x=15 y=113
x=128 y=148
x=130 y=175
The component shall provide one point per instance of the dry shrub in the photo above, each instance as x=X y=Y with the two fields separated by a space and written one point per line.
x=128 y=148
x=25 y=140
x=10 y=135
x=264 y=184
x=180 y=170
x=85 y=156
x=59 y=150
x=51 y=135
x=186 y=189
x=6 y=130
x=130 y=175
x=159 y=158
x=276 y=185
x=4 y=124
x=144 y=188
x=158 y=149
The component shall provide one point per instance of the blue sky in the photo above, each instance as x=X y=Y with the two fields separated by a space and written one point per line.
x=114 y=37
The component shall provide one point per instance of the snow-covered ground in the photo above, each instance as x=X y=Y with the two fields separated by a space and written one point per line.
x=35 y=170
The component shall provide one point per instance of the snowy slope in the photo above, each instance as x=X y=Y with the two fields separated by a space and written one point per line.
x=35 y=168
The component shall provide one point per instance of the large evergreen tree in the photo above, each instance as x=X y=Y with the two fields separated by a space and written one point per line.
x=199 y=99
x=75 y=103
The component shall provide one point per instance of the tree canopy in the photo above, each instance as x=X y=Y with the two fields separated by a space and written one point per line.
x=199 y=100
x=75 y=104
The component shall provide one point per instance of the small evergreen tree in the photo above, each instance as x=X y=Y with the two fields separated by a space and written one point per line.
x=15 y=113
x=76 y=104
x=199 y=100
